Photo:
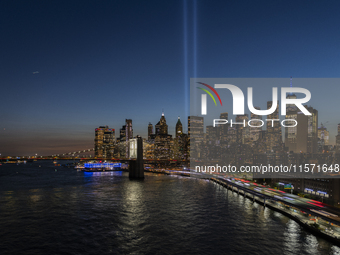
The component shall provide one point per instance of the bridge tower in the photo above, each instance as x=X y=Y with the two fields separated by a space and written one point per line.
x=136 y=163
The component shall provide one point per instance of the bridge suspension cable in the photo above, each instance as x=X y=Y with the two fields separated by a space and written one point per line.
x=72 y=153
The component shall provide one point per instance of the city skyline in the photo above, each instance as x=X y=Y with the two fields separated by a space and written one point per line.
x=68 y=68
x=116 y=134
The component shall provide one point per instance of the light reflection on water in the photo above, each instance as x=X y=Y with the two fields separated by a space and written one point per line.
x=43 y=211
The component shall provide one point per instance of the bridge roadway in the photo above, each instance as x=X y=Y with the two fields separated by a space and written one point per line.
x=309 y=206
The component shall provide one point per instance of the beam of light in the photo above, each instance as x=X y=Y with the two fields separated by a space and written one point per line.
x=185 y=47
x=195 y=38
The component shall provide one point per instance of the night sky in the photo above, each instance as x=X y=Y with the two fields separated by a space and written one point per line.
x=68 y=67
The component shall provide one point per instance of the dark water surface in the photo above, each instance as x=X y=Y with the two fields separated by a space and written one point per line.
x=43 y=211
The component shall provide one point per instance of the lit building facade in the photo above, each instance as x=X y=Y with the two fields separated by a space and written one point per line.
x=129 y=130
x=150 y=131
x=179 y=127
x=296 y=137
x=149 y=149
x=274 y=139
x=254 y=132
x=196 y=136
x=242 y=129
x=126 y=133
x=323 y=138
x=312 y=142
x=104 y=142
x=222 y=134
x=337 y=139
x=162 y=140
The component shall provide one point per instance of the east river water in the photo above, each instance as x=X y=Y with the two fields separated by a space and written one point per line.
x=44 y=211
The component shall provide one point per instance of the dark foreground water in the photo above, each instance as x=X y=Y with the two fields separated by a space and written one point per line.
x=43 y=211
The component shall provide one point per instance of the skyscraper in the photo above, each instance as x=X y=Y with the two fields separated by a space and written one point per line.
x=242 y=130
x=274 y=133
x=296 y=136
x=161 y=127
x=104 y=142
x=122 y=134
x=224 y=115
x=291 y=107
x=129 y=130
x=195 y=127
x=125 y=134
x=179 y=146
x=211 y=133
x=162 y=139
x=254 y=132
x=196 y=136
x=129 y=135
x=223 y=130
x=323 y=137
x=150 y=131
x=179 y=128
x=337 y=139
x=312 y=142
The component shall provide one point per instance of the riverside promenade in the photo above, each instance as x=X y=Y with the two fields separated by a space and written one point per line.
x=316 y=217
